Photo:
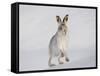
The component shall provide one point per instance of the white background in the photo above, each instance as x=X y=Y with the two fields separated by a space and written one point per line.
x=5 y=34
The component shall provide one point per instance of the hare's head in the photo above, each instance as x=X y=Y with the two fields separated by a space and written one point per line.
x=62 y=24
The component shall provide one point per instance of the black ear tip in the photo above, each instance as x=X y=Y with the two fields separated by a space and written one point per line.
x=67 y=15
x=57 y=16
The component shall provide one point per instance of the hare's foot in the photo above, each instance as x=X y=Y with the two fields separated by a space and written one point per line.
x=67 y=59
x=51 y=65
x=61 y=62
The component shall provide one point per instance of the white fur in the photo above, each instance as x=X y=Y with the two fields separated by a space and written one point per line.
x=57 y=46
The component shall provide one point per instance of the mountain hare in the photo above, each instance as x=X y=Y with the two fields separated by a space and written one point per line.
x=57 y=45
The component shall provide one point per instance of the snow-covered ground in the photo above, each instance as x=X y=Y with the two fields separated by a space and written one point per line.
x=38 y=60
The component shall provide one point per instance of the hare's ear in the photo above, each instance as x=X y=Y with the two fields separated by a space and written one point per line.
x=58 y=19
x=65 y=19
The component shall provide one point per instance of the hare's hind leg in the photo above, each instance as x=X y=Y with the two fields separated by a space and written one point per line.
x=49 y=62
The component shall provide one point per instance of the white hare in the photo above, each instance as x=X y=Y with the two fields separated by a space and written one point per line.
x=58 y=43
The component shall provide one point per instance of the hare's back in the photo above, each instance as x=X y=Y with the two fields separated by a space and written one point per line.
x=53 y=42
x=53 y=48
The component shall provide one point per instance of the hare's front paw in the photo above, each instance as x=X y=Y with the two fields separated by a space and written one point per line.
x=61 y=62
x=67 y=59
x=51 y=65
